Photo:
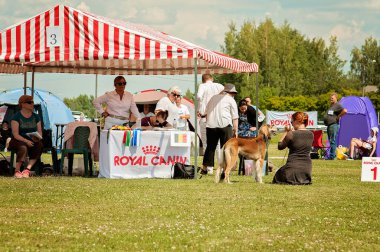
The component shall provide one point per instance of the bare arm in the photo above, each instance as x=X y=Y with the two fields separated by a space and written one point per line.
x=235 y=127
x=373 y=148
x=16 y=134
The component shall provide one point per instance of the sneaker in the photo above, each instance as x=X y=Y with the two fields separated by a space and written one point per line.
x=350 y=158
x=18 y=174
x=210 y=170
x=26 y=173
x=5 y=150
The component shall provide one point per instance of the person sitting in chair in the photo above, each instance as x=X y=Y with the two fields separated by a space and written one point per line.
x=369 y=144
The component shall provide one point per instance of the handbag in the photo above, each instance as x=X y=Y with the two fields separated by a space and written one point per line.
x=183 y=171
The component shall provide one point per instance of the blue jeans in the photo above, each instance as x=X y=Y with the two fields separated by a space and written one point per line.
x=332 y=133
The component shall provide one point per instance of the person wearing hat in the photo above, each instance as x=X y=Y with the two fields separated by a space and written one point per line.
x=369 y=144
x=120 y=105
x=23 y=122
x=221 y=123
x=207 y=89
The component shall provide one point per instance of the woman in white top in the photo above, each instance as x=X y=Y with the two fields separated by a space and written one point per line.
x=369 y=144
x=119 y=105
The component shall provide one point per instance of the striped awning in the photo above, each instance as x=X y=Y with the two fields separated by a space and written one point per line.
x=66 y=40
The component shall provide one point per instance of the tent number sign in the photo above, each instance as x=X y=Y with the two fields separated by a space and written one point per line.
x=371 y=169
x=53 y=36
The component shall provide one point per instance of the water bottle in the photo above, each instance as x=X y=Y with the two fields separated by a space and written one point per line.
x=175 y=124
x=138 y=123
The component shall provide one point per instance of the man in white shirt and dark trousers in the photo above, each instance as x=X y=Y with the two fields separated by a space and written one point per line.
x=206 y=90
x=221 y=123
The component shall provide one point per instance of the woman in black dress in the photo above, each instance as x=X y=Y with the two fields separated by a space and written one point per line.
x=297 y=170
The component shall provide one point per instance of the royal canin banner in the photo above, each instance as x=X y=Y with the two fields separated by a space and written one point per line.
x=282 y=119
x=152 y=158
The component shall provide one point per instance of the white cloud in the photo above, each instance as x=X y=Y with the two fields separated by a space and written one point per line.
x=83 y=7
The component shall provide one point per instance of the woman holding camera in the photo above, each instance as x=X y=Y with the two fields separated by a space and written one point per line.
x=297 y=170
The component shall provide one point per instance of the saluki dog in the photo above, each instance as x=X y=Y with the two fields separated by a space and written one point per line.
x=250 y=148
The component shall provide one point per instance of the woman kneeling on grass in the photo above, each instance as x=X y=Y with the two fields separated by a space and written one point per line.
x=297 y=170
x=23 y=122
x=369 y=144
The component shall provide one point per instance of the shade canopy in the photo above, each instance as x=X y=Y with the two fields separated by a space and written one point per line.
x=66 y=40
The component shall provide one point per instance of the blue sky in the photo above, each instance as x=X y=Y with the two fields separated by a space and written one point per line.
x=200 y=22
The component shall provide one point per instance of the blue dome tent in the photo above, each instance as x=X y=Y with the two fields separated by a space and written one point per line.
x=360 y=118
x=50 y=107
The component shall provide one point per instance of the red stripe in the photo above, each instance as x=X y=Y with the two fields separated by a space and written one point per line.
x=147 y=48
x=96 y=39
x=47 y=49
x=76 y=36
x=127 y=47
x=179 y=51
x=18 y=43
x=170 y=53
x=86 y=37
x=27 y=41
x=106 y=40
x=157 y=50
x=56 y=23
x=9 y=44
x=116 y=43
x=67 y=34
x=37 y=39
x=137 y=47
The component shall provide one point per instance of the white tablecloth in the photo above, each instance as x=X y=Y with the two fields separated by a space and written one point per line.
x=153 y=158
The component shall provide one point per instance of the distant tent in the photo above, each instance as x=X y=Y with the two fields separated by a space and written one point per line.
x=51 y=108
x=360 y=118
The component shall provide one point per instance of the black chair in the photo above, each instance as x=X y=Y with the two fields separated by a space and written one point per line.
x=81 y=146
x=37 y=167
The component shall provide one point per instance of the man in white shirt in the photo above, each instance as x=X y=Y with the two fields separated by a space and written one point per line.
x=168 y=103
x=221 y=123
x=206 y=90
x=119 y=104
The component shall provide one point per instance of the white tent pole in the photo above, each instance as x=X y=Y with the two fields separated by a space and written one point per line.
x=257 y=103
x=196 y=116
x=96 y=92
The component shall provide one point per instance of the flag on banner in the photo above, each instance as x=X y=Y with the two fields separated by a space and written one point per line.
x=180 y=138
x=136 y=138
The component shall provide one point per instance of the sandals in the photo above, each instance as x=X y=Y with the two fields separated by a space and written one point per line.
x=26 y=173
x=18 y=174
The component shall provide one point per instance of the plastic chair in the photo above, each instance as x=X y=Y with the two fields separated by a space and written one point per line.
x=318 y=146
x=81 y=146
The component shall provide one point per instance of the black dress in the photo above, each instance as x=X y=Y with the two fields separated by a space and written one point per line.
x=297 y=170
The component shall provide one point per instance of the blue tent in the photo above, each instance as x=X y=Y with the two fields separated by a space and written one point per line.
x=360 y=118
x=51 y=107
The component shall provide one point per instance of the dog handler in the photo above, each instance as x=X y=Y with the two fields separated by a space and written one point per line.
x=297 y=170
x=221 y=123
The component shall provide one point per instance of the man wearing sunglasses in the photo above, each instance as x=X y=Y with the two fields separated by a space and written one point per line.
x=119 y=105
x=168 y=103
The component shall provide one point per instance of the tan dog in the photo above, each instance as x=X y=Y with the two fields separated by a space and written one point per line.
x=250 y=148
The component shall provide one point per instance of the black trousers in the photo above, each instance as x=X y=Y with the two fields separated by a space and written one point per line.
x=214 y=135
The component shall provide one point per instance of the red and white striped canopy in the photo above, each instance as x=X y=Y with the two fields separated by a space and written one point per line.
x=66 y=40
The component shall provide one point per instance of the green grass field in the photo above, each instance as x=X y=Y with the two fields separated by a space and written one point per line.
x=336 y=213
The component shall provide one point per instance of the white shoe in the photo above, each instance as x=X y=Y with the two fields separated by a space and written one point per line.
x=210 y=170
x=5 y=150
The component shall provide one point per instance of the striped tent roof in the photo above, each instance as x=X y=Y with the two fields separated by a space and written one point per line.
x=66 y=40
